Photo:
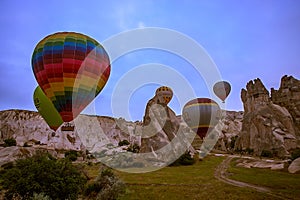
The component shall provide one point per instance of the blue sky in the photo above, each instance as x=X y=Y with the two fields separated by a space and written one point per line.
x=246 y=39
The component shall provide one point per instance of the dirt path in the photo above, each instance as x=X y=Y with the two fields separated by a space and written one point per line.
x=221 y=174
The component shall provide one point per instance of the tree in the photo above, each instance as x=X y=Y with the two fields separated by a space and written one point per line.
x=42 y=173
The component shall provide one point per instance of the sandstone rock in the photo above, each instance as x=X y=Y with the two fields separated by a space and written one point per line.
x=294 y=166
x=266 y=126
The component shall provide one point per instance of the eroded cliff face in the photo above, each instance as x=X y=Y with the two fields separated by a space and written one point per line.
x=266 y=125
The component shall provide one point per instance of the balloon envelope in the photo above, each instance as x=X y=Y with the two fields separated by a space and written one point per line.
x=71 y=69
x=201 y=115
x=222 y=89
x=164 y=94
x=46 y=109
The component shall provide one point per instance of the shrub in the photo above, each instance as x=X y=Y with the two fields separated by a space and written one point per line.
x=42 y=173
x=232 y=142
x=71 y=155
x=123 y=143
x=266 y=153
x=249 y=151
x=40 y=196
x=185 y=159
x=10 y=142
x=295 y=154
x=106 y=186
x=135 y=148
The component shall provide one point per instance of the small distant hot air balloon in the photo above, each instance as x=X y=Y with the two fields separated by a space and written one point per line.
x=201 y=115
x=222 y=90
x=46 y=109
x=164 y=94
x=71 y=69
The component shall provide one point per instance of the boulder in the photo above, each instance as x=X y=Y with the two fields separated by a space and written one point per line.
x=294 y=166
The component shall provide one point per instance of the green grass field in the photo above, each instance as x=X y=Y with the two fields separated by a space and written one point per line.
x=198 y=182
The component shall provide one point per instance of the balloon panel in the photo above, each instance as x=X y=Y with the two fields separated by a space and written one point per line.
x=201 y=114
x=46 y=109
x=222 y=89
x=164 y=94
x=71 y=68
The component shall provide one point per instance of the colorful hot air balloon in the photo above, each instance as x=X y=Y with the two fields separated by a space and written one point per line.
x=222 y=90
x=164 y=94
x=201 y=115
x=71 y=69
x=46 y=109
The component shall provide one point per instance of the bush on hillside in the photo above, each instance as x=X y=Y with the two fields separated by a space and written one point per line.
x=71 y=155
x=123 y=143
x=10 y=142
x=295 y=154
x=266 y=153
x=135 y=148
x=185 y=159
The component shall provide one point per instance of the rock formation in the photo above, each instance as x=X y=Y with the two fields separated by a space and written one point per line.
x=288 y=96
x=160 y=127
x=267 y=127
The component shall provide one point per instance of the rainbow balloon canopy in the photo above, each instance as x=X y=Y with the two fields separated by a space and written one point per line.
x=71 y=69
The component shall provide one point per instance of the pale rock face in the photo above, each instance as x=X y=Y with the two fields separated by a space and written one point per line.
x=90 y=132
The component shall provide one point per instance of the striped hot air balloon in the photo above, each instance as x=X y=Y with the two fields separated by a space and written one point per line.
x=71 y=69
x=201 y=115
x=164 y=94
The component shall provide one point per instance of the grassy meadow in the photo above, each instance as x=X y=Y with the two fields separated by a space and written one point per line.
x=198 y=182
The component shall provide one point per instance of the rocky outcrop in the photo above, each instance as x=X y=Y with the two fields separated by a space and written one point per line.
x=228 y=129
x=262 y=164
x=267 y=127
x=288 y=96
